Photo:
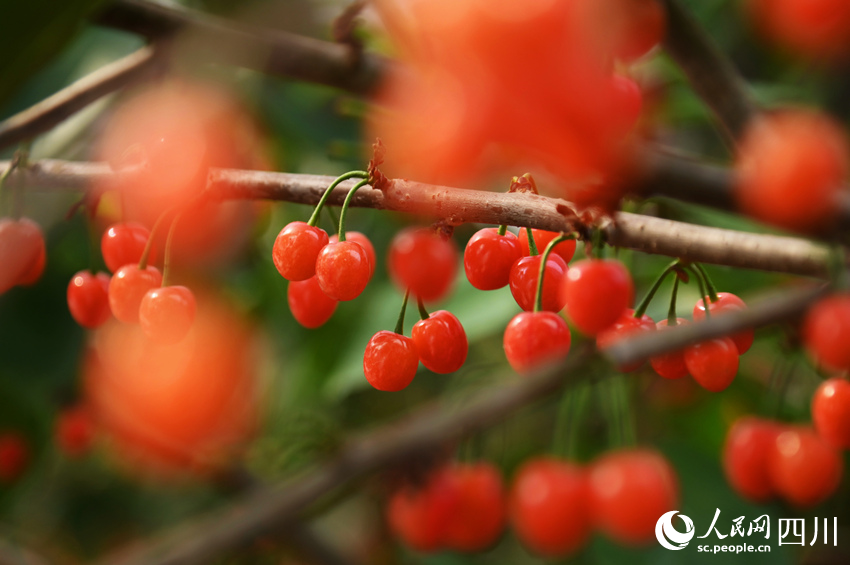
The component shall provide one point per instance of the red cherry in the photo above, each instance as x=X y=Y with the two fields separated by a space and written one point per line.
x=34 y=273
x=488 y=258
x=128 y=287
x=549 y=507
x=627 y=325
x=826 y=330
x=524 y=277
x=167 y=313
x=419 y=515
x=726 y=302
x=123 y=244
x=533 y=339
x=596 y=292
x=309 y=305
x=363 y=241
x=424 y=262
x=566 y=249
x=831 y=412
x=88 y=298
x=343 y=270
x=390 y=361
x=478 y=517
x=21 y=249
x=814 y=28
x=441 y=342
x=670 y=365
x=14 y=456
x=629 y=491
x=628 y=103
x=74 y=431
x=713 y=363
x=296 y=249
x=748 y=446
x=803 y=468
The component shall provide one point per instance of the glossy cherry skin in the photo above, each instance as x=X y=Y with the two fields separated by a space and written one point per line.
x=533 y=339
x=713 y=363
x=441 y=342
x=629 y=490
x=21 y=250
x=748 y=447
x=167 y=313
x=488 y=258
x=364 y=242
x=88 y=299
x=419 y=515
x=726 y=302
x=566 y=249
x=390 y=361
x=670 y=365
x=128 y=287
x=296 y=249
x=14 y=456
x=826 y=332
x=525 y=275
x=343 y=270
x=424 y=262
x=478 y=517
x=74 y=431
x=803 y=468
x=549 y=507
x=309 y=305
x=123 y=244
x=596 y=292
x=627 y=325
x=831 y=412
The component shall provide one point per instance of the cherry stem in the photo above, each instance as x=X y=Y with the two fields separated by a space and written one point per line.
x=333 y=216
x=143 y=261
x=423 y=313
x=503 y=229
x=532 y=245
x=344 y=212
x=712 y=290
x=399 y=325
x=672 y=319
x=644 y=304
x=314 y=218
x=702 y=290
x=566 y=426
x=538 y=297
x=624 y=406
x=169 y=240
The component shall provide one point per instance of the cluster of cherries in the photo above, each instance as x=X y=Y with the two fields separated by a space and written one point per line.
x=553 y=505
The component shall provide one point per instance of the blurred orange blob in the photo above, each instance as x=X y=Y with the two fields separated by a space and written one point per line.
x=171 y=134
x=811 y=28
x=184 y=408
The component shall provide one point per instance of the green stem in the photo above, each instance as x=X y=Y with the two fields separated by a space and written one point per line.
x=399 y=325
x=672 y=319
x=503 y=229
x=615 y=416
x=314 y=218
x=166 y=266
x=143 y=261
x=532 y=245
x=423 y=313
x=344 y=212
x=644 y=304
x=538 y=296
x=702 y=291
x=712 y=290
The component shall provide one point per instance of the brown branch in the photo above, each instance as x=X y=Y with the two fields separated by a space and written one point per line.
x=457 y=206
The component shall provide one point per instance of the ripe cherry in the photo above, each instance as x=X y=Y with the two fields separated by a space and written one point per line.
x=803 y=468
x=309 y=305
x=167 y=313
x=670 y=365
x=88 y=298
x=34 y=273
x=128 y=287
x=419 y=515
x=533 y=339
x=296 y=249
x=390 y=361
x=21 y=252
x=629 y=490
x=424 y=262
x=596 y=292
x=627 y=325
x=363 y=241
x=726 y=302
x=825 y=331
x=441 y=342
x=748 y=446
x=831 y=412
x=74 y=431
x=488 y=258
x=566 y=249
x=123 y=244
x=525 y=274
x=14 y=456
x=478 y=517
x=713 y=363
x=343 y=270
x=549 y=507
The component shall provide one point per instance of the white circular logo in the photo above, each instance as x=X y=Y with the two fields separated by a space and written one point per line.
x=664 y=531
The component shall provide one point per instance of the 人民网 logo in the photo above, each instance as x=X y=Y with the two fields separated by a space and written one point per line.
x=671 y=538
